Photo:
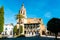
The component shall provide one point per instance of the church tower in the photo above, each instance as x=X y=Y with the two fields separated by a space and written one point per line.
x=23 y=11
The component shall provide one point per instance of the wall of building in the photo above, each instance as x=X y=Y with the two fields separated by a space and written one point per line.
x=8 y=30
x=29 y=21
x=42 y=29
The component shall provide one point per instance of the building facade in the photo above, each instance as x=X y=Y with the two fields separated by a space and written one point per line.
x=31 y=26
x=8 y=31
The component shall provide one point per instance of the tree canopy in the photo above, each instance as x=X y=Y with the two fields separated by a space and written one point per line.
x=1 y=18
x=53 y=25
x=19 y=16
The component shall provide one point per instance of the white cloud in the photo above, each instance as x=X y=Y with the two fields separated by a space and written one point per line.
x=48 y=15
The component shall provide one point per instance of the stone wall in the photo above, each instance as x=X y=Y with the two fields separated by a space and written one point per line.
x=42 y=29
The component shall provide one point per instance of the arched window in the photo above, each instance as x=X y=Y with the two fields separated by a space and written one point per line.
x=43 y=33
x=21 y=11
x=25 y=32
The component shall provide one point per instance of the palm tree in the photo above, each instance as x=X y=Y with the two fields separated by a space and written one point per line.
x=19 y=16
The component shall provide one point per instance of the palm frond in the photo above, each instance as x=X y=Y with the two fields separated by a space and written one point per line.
x=19 y=16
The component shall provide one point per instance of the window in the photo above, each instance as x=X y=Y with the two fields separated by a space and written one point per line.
x=10 y=32
x=5 y=28
x=43 y=33
x=25 y=32
x=5 y=32
x=25 y=26
x=24 y=12
x=21 y=11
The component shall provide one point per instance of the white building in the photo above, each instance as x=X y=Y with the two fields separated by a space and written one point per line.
x=8 y=31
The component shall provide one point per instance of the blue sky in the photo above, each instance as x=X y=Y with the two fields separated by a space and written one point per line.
x=45 y=9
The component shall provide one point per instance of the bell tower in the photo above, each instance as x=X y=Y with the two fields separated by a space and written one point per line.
x=23 y=11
